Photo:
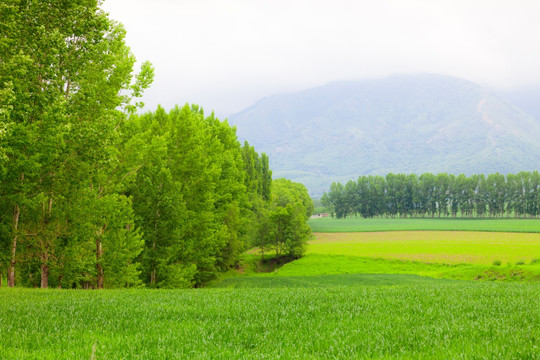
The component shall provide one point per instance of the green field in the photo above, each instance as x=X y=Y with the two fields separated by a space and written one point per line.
x=438 y=254
x=381 y=295
x=353 y=224
x=451 y=247
x=323 y=264
x=345 y=317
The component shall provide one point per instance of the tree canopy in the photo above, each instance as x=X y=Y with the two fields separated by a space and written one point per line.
x=494 y=195
x=96 y=195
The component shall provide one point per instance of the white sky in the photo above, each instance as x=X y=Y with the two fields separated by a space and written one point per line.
x=226 y=54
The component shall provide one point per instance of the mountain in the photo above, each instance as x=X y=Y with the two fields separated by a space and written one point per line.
x=526 y=98
x=410 y=123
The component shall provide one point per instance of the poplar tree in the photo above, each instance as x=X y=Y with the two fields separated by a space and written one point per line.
x=65 y=74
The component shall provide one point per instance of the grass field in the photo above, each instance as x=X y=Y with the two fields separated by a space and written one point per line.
x=451 y=247
x=345 y=317
x=323 y=264
x=370 y=295
x=328 y=224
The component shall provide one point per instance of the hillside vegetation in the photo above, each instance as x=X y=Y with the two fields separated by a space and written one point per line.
x=409 y=124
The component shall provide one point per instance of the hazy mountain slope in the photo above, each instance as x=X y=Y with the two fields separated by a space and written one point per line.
x=413 y=123
x=526 y=98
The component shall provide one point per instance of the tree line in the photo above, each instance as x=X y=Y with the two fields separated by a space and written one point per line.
x=94 y=195
x=429 y=195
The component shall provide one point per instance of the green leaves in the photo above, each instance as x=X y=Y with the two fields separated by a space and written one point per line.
x=189 y=196
x=442 y=194
x=143 y=80
x=63 y=76
x=102 y=197
x=287 y=229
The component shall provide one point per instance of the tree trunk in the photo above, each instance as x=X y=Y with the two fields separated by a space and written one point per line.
x=99 y=267
x=277 y=242
x=153 y=273
x=44 y=276
x=11 y=270
x=44 y=267
x=99 y=255
x=44 y=246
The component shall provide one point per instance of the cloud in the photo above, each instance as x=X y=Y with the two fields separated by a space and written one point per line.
x=226 y=54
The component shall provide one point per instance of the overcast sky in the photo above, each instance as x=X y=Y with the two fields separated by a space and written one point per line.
x=226 y=54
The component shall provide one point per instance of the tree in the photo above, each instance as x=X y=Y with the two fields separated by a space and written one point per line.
x=335 y=200
x=65 y=72
x=427 y=189
x=441 y=193
x=197 y=196
x=291 y=208
x=496 y=194
x=256 y=224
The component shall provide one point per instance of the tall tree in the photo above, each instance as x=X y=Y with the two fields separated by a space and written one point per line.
x=65 y=72
x=197 y=196
x=291 y=208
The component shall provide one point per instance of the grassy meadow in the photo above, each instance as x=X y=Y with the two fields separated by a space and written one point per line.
x=349 y=317
x=370 y=295
x=451 y=247
x=354 y=224
x=321 y=264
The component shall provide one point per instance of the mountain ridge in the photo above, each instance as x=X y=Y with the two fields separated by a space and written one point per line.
x=404 y=123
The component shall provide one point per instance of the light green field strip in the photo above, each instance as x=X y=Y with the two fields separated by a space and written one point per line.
x=323 y=264
x=445 y=224
x=450 y=247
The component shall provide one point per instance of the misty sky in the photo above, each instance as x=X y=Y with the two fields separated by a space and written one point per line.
x=226 y=54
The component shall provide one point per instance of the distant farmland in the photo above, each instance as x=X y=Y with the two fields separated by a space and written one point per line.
x=354 y=224
x=451 y=247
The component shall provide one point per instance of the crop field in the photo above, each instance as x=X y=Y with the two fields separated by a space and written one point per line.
x=353 y=224
x=323 y=264
x=347 y=317
x=370 y=295
x=451 y=247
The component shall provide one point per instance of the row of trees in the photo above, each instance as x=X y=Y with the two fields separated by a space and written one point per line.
x=93 y=195
x=66 y=74
x=494 y=195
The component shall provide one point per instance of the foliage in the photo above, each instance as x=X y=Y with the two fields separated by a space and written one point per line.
x=65 y=73
x=285 y=229
x=437 y=195
x=197 y=195
x=402 y=124
x=94 y=195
